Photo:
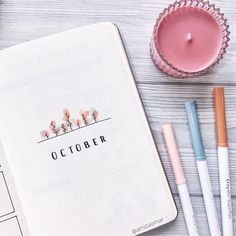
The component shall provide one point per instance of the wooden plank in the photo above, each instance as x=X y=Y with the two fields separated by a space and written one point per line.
x=178 y=228
x=165 y=104
x=26 y=20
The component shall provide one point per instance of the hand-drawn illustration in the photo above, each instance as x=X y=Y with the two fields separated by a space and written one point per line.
x=85 y=117
x=94 y=114
x=54 y=128
x=45 y=134
x=69 y=124
x=64 y=127
x=67 y=118
x=77 y=123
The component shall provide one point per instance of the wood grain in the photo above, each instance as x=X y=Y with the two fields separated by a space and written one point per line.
x=163 y=97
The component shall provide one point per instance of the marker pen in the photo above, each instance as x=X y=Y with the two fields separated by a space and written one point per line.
x=200 y=157
x=223 y=160
x=180 y=180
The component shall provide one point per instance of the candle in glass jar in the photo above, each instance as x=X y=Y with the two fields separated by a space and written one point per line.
x=188 y=39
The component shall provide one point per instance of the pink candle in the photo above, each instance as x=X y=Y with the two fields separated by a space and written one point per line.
x=189 y=38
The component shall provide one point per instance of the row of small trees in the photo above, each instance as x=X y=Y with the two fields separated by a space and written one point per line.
x=86 y=117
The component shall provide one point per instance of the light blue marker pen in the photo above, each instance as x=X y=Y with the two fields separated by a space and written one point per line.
x=200 y=157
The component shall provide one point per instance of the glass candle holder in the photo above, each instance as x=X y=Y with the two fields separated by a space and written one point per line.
x=190 y=37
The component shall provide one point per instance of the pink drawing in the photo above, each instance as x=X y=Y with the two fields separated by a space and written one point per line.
x=66 y=117
x=64 y=127
x=45 y=134
x=95 y=115
x=54 y=128
x=76 y=122
x=85 y=117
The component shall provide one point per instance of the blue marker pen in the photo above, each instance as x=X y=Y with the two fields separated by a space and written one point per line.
x=200 y=157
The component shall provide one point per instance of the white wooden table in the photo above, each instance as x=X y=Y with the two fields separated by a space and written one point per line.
x=163 y=97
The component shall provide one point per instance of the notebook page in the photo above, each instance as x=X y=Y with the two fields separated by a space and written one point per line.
x=12 y=220
x=76 y=137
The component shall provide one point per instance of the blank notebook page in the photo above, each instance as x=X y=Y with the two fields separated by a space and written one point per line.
x=76 y=137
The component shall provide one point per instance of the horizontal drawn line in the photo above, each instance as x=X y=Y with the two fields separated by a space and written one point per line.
x=70 y=131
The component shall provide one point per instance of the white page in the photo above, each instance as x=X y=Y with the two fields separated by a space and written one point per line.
x=114 y=187
x=12 y=220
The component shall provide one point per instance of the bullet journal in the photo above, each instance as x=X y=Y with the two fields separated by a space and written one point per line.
x=77 y=155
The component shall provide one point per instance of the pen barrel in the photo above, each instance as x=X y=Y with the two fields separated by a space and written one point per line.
x=208 y=198
x=220 y=117
x=194 y=128
x=188 y=210
x=173 y=154
x=225 y=191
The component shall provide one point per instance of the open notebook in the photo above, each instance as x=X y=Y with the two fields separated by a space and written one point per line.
x=79 y=155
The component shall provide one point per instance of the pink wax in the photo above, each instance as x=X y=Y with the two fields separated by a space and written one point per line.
x=189 y=38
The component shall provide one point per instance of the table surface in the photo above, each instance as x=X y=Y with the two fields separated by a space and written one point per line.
x=163 y=97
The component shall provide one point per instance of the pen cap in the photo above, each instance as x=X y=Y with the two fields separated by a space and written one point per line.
x=194 y=128
x=221 y=129
x=173 y=154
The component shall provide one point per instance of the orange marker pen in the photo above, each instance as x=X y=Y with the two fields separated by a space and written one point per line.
x=223 y=160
